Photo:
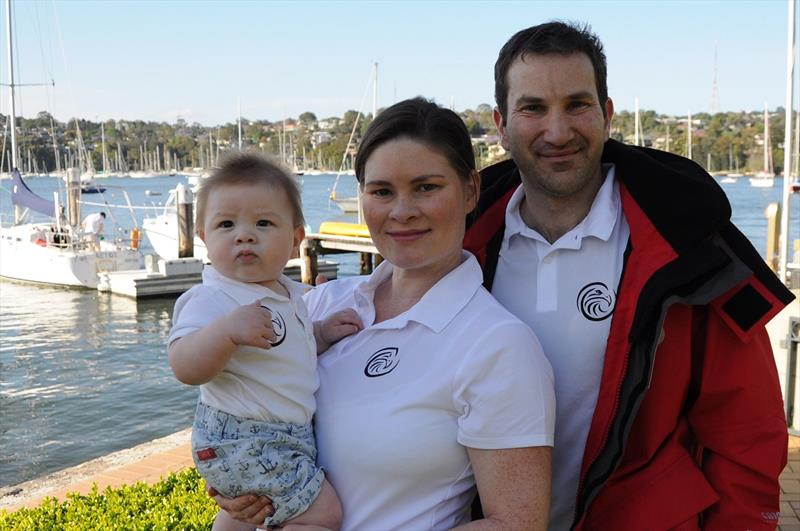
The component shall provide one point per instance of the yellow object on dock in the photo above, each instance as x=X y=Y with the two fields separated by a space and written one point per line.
x=340 y=228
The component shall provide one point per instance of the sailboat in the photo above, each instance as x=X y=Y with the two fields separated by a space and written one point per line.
x=56 y=251
x=350 y=204
x=766 y=177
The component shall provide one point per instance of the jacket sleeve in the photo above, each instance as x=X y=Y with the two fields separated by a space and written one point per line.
x=738 y=418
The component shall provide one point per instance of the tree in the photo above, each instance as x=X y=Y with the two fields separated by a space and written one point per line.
x=307 y=118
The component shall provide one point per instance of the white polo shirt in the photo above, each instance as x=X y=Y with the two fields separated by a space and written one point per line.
x=93 y=222
x=400 y=401
x=566 y=293
x=272 y=385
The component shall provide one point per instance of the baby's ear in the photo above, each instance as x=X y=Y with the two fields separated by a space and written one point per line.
x=297 y=239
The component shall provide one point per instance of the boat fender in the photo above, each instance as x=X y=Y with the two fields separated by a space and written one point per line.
x=135 y=235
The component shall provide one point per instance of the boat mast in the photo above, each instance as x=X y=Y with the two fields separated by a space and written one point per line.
x=55 y=146
x=13 y=116
x=240 y=126
x=766 y=139
x=783 y=252
x=12 y=120
x=689 y=136
x=375 y=93
x=105 y=154
x=374 y=115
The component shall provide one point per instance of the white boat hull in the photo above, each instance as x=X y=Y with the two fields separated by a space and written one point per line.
x=22 y=258
x=347 y=204
x=762 y=181
x=162 y=231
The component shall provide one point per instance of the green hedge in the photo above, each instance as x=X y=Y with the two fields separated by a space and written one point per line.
x=177 y=502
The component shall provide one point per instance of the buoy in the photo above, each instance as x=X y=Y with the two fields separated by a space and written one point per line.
x=340 y=228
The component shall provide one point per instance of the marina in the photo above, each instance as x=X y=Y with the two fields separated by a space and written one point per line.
x=87 y=396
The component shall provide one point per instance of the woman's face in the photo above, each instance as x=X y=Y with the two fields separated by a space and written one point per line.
x=415 y=206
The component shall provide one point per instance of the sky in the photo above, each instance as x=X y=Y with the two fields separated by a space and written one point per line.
x=204 y=60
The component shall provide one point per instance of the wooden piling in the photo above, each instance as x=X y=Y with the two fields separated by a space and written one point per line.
x=185 y=222
x=773 y=215
x=317 y=244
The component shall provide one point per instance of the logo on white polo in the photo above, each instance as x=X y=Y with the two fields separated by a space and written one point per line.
x=596 y=302
x=278 y=325
x=382 y=362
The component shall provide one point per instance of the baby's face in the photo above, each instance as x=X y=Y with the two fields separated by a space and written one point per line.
x=249 y=232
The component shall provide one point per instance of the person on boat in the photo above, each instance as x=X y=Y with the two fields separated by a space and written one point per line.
x=93 y=226
x=245 y=338
x=649 y=303
x=444 y=391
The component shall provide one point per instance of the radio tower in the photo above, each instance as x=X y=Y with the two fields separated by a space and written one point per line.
x=714 y=92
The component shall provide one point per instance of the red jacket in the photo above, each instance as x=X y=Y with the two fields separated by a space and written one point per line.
x=689 y=429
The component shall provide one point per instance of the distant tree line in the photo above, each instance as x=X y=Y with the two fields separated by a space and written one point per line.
x=720 y=142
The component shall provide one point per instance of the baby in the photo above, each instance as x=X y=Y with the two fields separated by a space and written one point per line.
x=244 y=336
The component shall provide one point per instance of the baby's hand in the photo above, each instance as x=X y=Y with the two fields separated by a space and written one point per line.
x=251 y=325
x=338 y=325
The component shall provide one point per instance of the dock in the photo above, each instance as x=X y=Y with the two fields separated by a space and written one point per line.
x=172 y=277
x=317 y=244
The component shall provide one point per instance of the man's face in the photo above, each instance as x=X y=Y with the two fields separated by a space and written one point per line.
x=555 y=128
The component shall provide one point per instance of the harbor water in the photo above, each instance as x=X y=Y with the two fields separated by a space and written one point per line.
x=83 y=373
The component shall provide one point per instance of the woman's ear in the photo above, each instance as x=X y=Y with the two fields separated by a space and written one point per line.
x=473 y=190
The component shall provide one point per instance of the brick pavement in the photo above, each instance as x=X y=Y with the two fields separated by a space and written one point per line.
x=790 y=489
x=148 y=463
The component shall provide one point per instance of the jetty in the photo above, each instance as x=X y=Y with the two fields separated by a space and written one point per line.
x=162 y=277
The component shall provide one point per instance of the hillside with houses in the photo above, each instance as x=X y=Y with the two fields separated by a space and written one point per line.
x=728 y=141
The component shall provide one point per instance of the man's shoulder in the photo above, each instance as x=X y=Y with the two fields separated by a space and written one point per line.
x=683 y=202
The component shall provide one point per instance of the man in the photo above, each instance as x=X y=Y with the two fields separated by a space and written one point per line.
x=93 y=226
x=648 y=302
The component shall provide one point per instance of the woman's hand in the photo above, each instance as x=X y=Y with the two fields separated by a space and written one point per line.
x=248 y=508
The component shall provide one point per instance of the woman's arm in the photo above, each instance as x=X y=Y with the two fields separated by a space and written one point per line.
x=514 y=486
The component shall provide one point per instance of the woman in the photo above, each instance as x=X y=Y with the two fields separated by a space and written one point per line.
x=440 y=393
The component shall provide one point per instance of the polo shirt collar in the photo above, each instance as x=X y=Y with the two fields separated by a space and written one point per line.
x=245 y=293
x=437 y=308
x=599 y=222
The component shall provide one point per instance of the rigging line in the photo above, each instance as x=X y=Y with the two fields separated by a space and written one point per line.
x=48 y=68
x=355 y=125
x=70 y=94
x=38 y=26
x=18 y=95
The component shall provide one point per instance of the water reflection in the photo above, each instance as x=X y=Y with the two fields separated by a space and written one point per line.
x=82 y=374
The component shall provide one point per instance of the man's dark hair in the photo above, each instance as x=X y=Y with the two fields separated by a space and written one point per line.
x=423 y=121
x=103 y=214
x=553 y=37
